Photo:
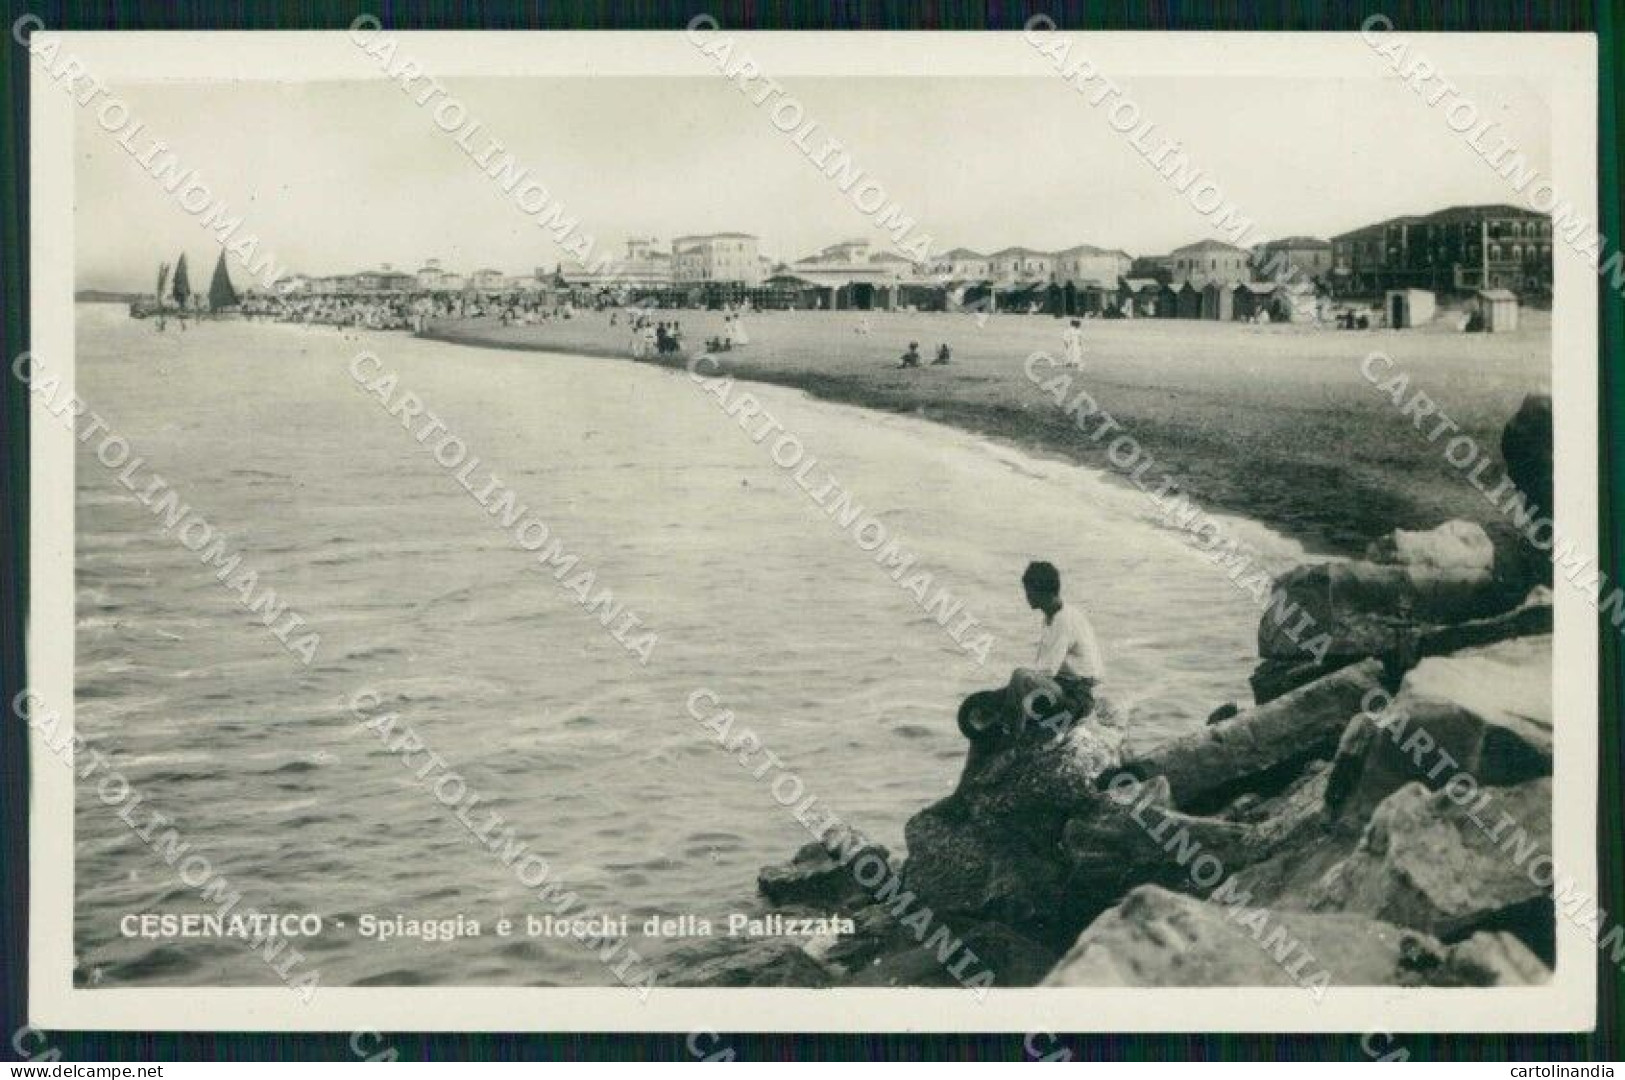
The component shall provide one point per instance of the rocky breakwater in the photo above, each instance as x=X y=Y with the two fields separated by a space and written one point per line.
x=1381 y=815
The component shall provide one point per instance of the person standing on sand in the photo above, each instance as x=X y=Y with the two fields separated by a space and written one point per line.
x=1072 y=343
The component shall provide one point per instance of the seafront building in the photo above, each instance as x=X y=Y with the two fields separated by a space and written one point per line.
x=1293 y=258
x=1459 y=249
x=384 y=279
x=1206 y=261
x=1086 y=265
x=731 y=257
x=1464 y=251
x=430 y=276
x=962 y=264
x=849 y=274
x=645 y=265
x=1016 y=266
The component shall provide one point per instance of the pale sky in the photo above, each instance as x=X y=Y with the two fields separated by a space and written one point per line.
x=342 y=176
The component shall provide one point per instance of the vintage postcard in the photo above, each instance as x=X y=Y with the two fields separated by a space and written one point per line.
x=708 y=530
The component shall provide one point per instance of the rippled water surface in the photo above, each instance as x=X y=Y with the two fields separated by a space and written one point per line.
x=416 y=594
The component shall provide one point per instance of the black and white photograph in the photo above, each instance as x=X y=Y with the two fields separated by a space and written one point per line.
x=687 y=530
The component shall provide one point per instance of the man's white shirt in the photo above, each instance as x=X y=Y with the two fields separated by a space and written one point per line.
x=1067 y=646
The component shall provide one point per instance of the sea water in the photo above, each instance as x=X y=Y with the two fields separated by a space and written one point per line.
x=592 y=759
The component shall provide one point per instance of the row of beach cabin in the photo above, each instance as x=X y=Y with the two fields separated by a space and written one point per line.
x=1224 y=301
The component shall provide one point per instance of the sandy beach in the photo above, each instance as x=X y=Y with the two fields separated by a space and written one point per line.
x=1275 y=423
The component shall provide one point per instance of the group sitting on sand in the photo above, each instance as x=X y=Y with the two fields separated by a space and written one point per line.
x=1052 y=697
x=733 y=334
x=911 y=358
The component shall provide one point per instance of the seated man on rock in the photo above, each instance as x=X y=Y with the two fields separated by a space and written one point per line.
x=1043 y=701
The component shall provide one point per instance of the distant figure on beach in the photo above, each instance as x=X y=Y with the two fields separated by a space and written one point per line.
x=862 y=327
x=1052 y=696
x=945 y=355
x=1072 y=344
x=911 y=358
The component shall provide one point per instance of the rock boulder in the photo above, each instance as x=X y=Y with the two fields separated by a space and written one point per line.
x=1526 y=447
x=1359 y=609
x=1427 y=863
x=1461 y=546
x=1484 y=711
x=820 y=875
x=1493 y=960
x=764 y=962
x=968 y=868
x=1264 y=747
x=1161 y=938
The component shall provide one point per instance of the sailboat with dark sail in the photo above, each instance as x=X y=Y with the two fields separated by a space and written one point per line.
x=181 y=284
x=222 y=297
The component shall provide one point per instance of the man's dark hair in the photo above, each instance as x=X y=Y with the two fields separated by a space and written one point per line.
x=1042 y=577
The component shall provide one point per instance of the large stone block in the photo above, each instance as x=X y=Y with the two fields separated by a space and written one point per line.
x=1530 y=618
x=820 y=875
x=1485 y=711
x=1526 y=447
x=1036 y=784
x=1455 y=545
x=1161 y=938
x=958 y=866
x=764 y=962
x=1493 y=959
x=1138 y=838
x=1264 y=747
x=1431 y=864
x=1371 y=609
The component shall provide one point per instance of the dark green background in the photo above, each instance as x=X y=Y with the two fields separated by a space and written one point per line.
x=1556 y=16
